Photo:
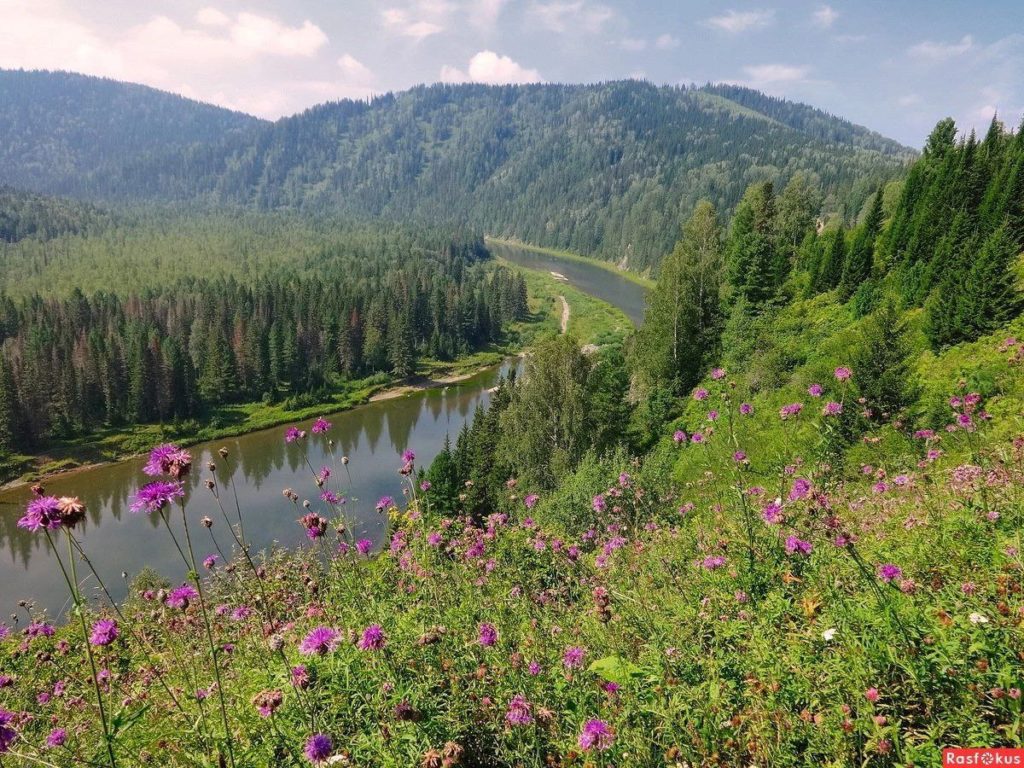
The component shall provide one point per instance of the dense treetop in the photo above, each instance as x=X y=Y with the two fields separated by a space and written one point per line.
x=609 y=169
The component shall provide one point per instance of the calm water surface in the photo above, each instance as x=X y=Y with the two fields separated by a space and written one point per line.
x=262 y=466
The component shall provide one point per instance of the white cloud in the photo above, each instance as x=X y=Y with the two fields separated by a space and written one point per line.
x=213 y=17
x=740 y=21
x=666 y=42
x=633 y=44
x=576 y=16
x=933 y=51
x=761 y=75
x=484 y=13
x=825 y=16
x=910 y=100
x=263 y=34
x=402 y=23
x=490 y=68
x=354 y=70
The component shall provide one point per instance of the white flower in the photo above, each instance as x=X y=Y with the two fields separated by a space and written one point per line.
x=977 y=618
x=828 y=634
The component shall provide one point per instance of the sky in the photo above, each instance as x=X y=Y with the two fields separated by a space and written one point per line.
x=895 y=66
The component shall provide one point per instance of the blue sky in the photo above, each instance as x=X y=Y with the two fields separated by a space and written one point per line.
x=896 y=66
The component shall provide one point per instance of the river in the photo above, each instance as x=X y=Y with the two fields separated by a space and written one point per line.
x=261 y=466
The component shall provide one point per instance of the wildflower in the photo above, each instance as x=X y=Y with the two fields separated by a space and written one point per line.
x=887 y=572
x=533 y=668
x=408 y=456
x=153 y=497
x=42 y=513
x=530 y=500
x=679 y=437
x=320 y=641
x=697 y=438
x=713 y=562
x=832 y=408
x=843 y=373
x=793 y=409
x=241 y=613
x=700 y=394
x=56 y=738
x=599 y=503
x=573 y=657
x=299 y=676
x=318 y=748
x=332 y=498
x=70 y=511
x=385 y=503
x=596 y=735
x=828 y=635
x=180 y=597
x=315 y=525
x=209 y=562
x=712 y=415
x=7 y=734
x=292 y=434
x=267 y=702
x=160 y=460
x=977 y=618
x=800 y=489
x=519 y=711
x=718 y=374
x=373 y=638
x=104 y=632
x=746 y=409
x=795 y=545
x=488 y=635
x=815 y=390
x=363 y=546
x=425 y=486
x=39 y=629
x=320 y=426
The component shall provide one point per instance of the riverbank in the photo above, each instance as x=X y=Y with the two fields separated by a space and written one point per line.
x=643 y=281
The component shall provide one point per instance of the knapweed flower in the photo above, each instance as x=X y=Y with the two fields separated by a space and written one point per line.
x=488 y=635
x=887 y=572
x=315 y=525
x=320 y=641
x=39 y=629
x=299 y=676
x=408 y=456
x=519 y=711
x=815 y=390
x=697 y=438
x=159 y=462
x=70 y=510
x=42 y=513
x=332 y=498
x=740 y=457
x=596 y=735
x=843 y=373
x=384 y=503
x=292 y=434
x=7 y=733
x=712 y=415
x=425 y=486
x=267 y=702
x=718 y=373
x=180 y=597
x=772 y=514
x=530 y=500
x=679 y=437
x=746 y=409
x=104 y=632
x=573 y=657
x=153 y=497
x=57 y=738
x=318 y=748
x=700 y=394
x=209 y=562
x=793 y=409
x=363 y=546
x=800 y=489
x=871 y=694
x=713 y=562
x=795 y=545
x=832 y=408
x=599 y=503
x=320 y=426
x=373 y=638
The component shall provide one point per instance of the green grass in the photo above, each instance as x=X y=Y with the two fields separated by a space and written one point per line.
x=633 y=277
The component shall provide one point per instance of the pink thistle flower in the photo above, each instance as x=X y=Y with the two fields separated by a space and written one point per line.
x=679 y=437
x=815 y=390
x=519 y=711
x=104 y=632
x=887 y=572
x=488 y=635
x=700 y=394
x=596 y=735
x=843 y=373
x=573 y=657
x=320 y=641
x=832 y=408
x=320 y=426
x=746 y=409
x=373 y=638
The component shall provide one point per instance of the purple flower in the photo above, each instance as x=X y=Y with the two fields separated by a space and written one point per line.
x=793 y=409
x=318 y=748
x=209 y=562
x=739 y=457
x=533 y=668
x=320 y=641
x=713 y=562
x=56 y=738
x=160 y=459
x=697 y=438
x=488 y=635
x=599 y=504
x=425 y=486
x=843 y=373
x=832 y=408
x=180 y=597
x=815 y=390
x=373 y=638
x=363 y=546
x=800 y=489
x=746 y=409
x=679 y=437
x=332 y=498
x=530 y=501
x=408 y=456
x=718 y=373
x=385 y=503
x=4 y=632
x=320 y=426
x=772 y=513
x=315 y=525
x=434 y=539
x=104 y=632
x=153 y=497
x=796 y=545
x=519 y=711
x=596 y=735
x=39 y=629
x=700 y=394
x=7 y=734
x=712 y=415
x=300 y=676
x=42 y=513
x=573 y=657
x=292 y=434
x=888 y=572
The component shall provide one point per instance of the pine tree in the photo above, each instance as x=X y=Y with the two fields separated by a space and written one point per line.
x=881 y=364
x=857 y=266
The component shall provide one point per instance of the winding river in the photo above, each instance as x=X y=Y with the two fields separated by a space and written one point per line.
x=260 y=465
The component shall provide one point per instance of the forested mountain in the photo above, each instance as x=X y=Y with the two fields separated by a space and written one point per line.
x=609 y=170
x=25 y=215
x=59 y=128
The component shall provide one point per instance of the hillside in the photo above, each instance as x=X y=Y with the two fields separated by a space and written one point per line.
x=608 y=170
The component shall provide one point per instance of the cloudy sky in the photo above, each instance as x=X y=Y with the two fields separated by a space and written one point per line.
x=896 y=66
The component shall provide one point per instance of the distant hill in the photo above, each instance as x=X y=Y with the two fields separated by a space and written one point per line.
x=608 y=169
